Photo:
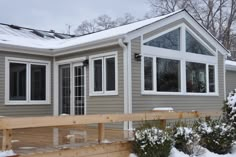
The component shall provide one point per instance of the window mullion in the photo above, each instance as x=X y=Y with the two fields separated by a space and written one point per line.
x=104 y=77
x=154 y=74
x=183 y=39
x=183 y=76
x=207 y=78
x=28 y=82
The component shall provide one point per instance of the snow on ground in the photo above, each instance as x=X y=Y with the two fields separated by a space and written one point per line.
x=7 y=153
x=206 y=153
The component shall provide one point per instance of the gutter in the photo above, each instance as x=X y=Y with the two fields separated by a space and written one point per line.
x=61 y=51
x=126 y=87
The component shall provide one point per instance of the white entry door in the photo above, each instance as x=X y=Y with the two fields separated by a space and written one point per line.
x=72 y=89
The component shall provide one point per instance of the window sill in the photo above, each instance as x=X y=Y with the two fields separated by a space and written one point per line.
x=178 y=94
x=27 y=103
x=104 y=94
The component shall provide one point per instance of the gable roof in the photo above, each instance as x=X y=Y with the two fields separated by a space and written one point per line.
x=51 y=41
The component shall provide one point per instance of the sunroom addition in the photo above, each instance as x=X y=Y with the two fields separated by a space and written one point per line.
x=178 y=61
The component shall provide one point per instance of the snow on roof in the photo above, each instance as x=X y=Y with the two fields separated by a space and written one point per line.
x=26 y=38
x=230 y=65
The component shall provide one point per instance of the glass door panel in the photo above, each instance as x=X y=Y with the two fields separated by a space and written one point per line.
x=64 y=89
x=79 y=88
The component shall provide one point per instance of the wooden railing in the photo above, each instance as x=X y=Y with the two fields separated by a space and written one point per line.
x=8 y=124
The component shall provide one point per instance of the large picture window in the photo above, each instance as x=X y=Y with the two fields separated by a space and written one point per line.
x=194 y=46
x=170 y=40
x=168 y=75
x=196 y=77
x=178 y=62
x=103 y=72
x=165 y=75
x=28 y=81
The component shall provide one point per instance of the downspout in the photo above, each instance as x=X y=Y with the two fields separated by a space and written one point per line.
x=126 y=87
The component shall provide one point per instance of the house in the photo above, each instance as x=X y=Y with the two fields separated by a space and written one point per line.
x=167 y=61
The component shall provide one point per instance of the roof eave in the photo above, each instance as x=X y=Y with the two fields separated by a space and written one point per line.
x=25 y=50
x=88 y=46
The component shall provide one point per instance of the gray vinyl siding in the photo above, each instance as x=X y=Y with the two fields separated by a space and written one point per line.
x=103 y=104
x=230 y=77
x=180 y=102
x=22 y=110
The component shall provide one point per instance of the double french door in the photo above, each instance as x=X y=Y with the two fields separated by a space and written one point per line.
x=72 y=89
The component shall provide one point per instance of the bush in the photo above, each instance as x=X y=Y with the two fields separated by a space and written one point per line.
x=186 y=140
x=150 y=142
x=216 y=136
x=229 y=108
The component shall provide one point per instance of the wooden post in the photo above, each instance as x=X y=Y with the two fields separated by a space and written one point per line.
x=101 y=132
x=163 y=124
x=6 y=140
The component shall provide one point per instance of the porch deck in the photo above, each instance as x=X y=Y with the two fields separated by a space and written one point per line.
x=78 y=136
x=50 y=139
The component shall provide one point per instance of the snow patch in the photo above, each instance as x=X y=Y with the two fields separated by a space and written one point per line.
x=7 y=153
x=175 y=153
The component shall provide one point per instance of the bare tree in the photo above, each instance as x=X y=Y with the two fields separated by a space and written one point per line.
x=86 y=27
x=217 y=16
x=103 y=22
x=126 y=19
x=161 y=7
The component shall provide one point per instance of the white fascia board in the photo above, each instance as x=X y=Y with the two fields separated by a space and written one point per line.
x=88 y=46
x=25 y=50
x=62 y=51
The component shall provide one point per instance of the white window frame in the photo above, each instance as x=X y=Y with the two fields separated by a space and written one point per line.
x=103 y=57
x=28 y=63
x=182 y=56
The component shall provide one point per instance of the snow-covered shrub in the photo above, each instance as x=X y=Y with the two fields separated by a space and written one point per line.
x=229 y=108
x=216 y=136
x=150 y=142
x=186 y=140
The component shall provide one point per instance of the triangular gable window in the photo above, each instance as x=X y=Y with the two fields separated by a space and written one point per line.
x=170 y=40
x=194 y=46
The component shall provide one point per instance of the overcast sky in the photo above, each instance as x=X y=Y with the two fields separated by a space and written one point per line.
x=55 y=14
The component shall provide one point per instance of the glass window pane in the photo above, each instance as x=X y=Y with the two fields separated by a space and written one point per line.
x=193 y=46
x=196 y=77
x=98 y=75
x=17 y=81
x=110 y=74
x=168 y=75
x=148 y=73
x=211 y=78
x=38 y=82
x=170 y=40
x=64 y=89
